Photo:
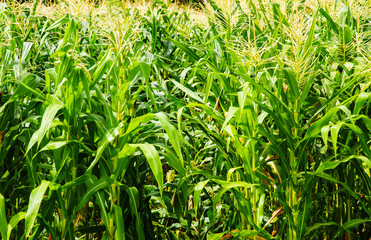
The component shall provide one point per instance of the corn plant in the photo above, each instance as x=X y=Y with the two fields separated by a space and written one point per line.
x=253 y=126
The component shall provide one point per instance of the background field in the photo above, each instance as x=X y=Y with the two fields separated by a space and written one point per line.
x=160 y=120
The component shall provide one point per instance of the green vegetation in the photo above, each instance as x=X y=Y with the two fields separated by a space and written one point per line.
x=128 y=124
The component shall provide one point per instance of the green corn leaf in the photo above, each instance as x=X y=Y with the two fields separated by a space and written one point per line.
x=119 y=220
x=154 y=162
x=27 y=84
x=324 y=133
x=318 y=125
x=185 y=49
x=134 y=201
x=34 y=204
x=173 y=160
x=137 y=121
x=101 y=201
x=146 y=69
x=346 y=186
x=320 y=225
x=58 y=23
x=347 y=35
x=14 y=221
x=50 y=76
x=107 y=138
x=46 y=122
x=362 y=98
x=188 y=91
x=134 y=205
x=364 y=139
x=69 y=32
x=94 y=187
x=26 y=51
x=4 y=222
x=34 y=8
x=231 y=113
x=111 y=121
x=209 y=82
x=245 y=234
x=101 y=68
x=292 y=82
x=309 y=41
x=215 y=236
x=54 y=145
x=334 y=135
x=260 y=211
x=350 y=225
x=77 y=181
x=171 y=235
x=230 y=172
x=278 y=15
x=334 y=26
x=174 y=136
x=197 y=192
x=228 y=186
x=303 y=216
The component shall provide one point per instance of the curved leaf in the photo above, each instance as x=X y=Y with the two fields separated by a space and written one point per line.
x=154 y=162
x=34 y=204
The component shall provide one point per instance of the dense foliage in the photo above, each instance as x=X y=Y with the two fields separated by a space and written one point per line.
x=254 y=126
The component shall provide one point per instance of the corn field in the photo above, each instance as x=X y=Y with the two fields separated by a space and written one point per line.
x=146 y=124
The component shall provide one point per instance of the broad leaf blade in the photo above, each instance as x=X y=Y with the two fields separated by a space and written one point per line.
x=34 y=204
x=4 y=223
x=154 y=162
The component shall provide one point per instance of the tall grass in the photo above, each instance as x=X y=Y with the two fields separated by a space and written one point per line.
x=128 y=124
